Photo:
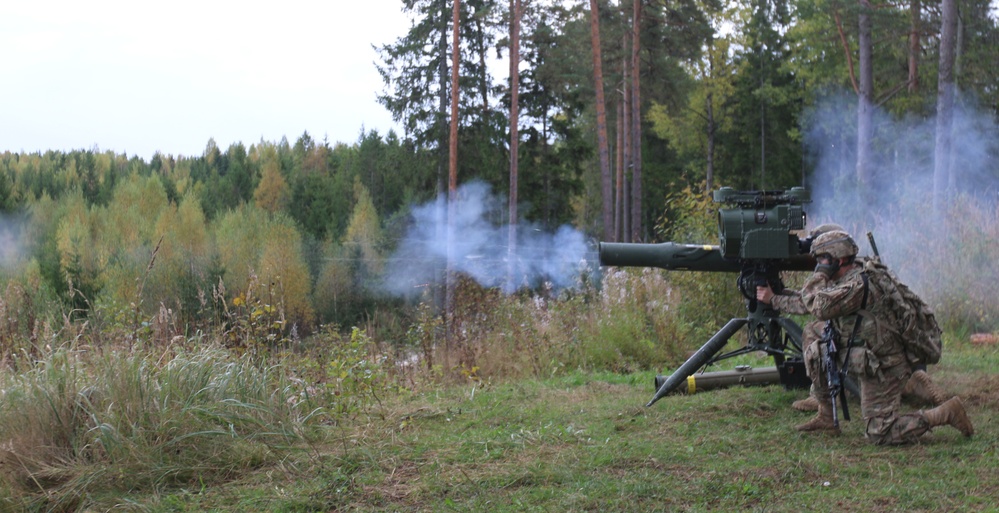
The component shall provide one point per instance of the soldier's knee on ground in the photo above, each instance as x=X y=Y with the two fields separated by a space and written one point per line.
x=879 y=431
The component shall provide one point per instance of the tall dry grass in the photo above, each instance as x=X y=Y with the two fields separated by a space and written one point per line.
x=78 y=421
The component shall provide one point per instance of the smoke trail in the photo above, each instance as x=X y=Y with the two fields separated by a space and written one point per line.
x=481 y=250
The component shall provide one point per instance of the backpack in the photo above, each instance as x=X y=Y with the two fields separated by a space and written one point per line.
x=916 y=324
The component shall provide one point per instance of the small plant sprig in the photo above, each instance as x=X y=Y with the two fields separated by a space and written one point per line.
x=250 y=321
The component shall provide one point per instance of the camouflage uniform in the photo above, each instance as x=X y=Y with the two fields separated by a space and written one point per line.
x=876 y=355
x=920 y=387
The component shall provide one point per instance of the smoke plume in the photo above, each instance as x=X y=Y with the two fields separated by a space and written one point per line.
x=480 y=248
x=902 y=162
x=946 y=255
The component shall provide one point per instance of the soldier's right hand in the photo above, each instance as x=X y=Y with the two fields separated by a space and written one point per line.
x=764 y=294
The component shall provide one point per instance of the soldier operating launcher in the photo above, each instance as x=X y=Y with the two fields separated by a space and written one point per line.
x=757 y=241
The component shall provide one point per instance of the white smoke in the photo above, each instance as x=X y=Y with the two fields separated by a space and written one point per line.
x=946 y=255
x=902 y=161
x=11 y=237
x=480 y=248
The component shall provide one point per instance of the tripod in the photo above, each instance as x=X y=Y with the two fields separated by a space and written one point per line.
x=777 y=336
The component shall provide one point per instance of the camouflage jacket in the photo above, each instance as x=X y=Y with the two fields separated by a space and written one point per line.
x=789 y=302
x=840 y=301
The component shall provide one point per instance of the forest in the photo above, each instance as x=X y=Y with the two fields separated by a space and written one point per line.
x=620 y=108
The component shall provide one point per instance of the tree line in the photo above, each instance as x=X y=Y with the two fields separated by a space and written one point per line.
x=298 y=223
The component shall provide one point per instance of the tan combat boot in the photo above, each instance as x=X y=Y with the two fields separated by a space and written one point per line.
x=923 y=387
x=823 y=421
x=807 y=404
x=950 y=413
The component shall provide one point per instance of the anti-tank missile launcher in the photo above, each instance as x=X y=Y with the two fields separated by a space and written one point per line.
x=757 y=239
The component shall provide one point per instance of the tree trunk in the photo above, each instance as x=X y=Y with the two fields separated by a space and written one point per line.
x=636 y=121
x=958 y=50
x=914 y=24
x=710 y=172
x=945 y=102
x=515 y=13
x=602 y=150
x=712 y=128
x=625 y=124
x=865 y=105
x=452 y=188
x=441 y=296
x=619 y=173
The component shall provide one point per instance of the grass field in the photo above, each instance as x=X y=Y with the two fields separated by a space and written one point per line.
x=586 y=442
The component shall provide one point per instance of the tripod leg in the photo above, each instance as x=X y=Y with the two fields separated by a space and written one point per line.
x=793 y=331
x=699 y=358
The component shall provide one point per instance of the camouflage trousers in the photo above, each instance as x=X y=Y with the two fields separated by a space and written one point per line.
x=810 y=351
x=880 y=391
x=880 y=402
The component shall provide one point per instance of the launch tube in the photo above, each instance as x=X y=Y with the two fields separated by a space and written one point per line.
x=742 y=375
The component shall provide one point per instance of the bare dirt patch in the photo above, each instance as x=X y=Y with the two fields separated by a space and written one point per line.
x=984 y=392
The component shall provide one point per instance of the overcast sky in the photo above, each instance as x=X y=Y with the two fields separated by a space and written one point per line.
x=138 y=77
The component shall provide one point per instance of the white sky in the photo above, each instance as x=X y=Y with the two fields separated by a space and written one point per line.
x=138 y=77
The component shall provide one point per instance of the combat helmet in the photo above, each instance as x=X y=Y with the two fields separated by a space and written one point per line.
x=823 y=228
x=805 y=245
x=836 y=243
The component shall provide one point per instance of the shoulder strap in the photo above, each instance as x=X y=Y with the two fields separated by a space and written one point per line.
x=856 y=325
x=863 y=306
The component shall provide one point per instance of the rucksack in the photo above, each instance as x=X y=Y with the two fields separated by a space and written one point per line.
x=916 y=324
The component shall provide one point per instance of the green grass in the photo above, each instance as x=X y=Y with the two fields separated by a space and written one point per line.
x=585 y=442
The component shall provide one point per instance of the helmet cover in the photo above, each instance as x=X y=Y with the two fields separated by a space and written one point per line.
x=836 y=243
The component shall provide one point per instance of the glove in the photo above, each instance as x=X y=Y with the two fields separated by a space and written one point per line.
x=828 y=269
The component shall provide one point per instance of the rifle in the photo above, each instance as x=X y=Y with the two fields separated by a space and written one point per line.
x=835 y=378
x=756 y=240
